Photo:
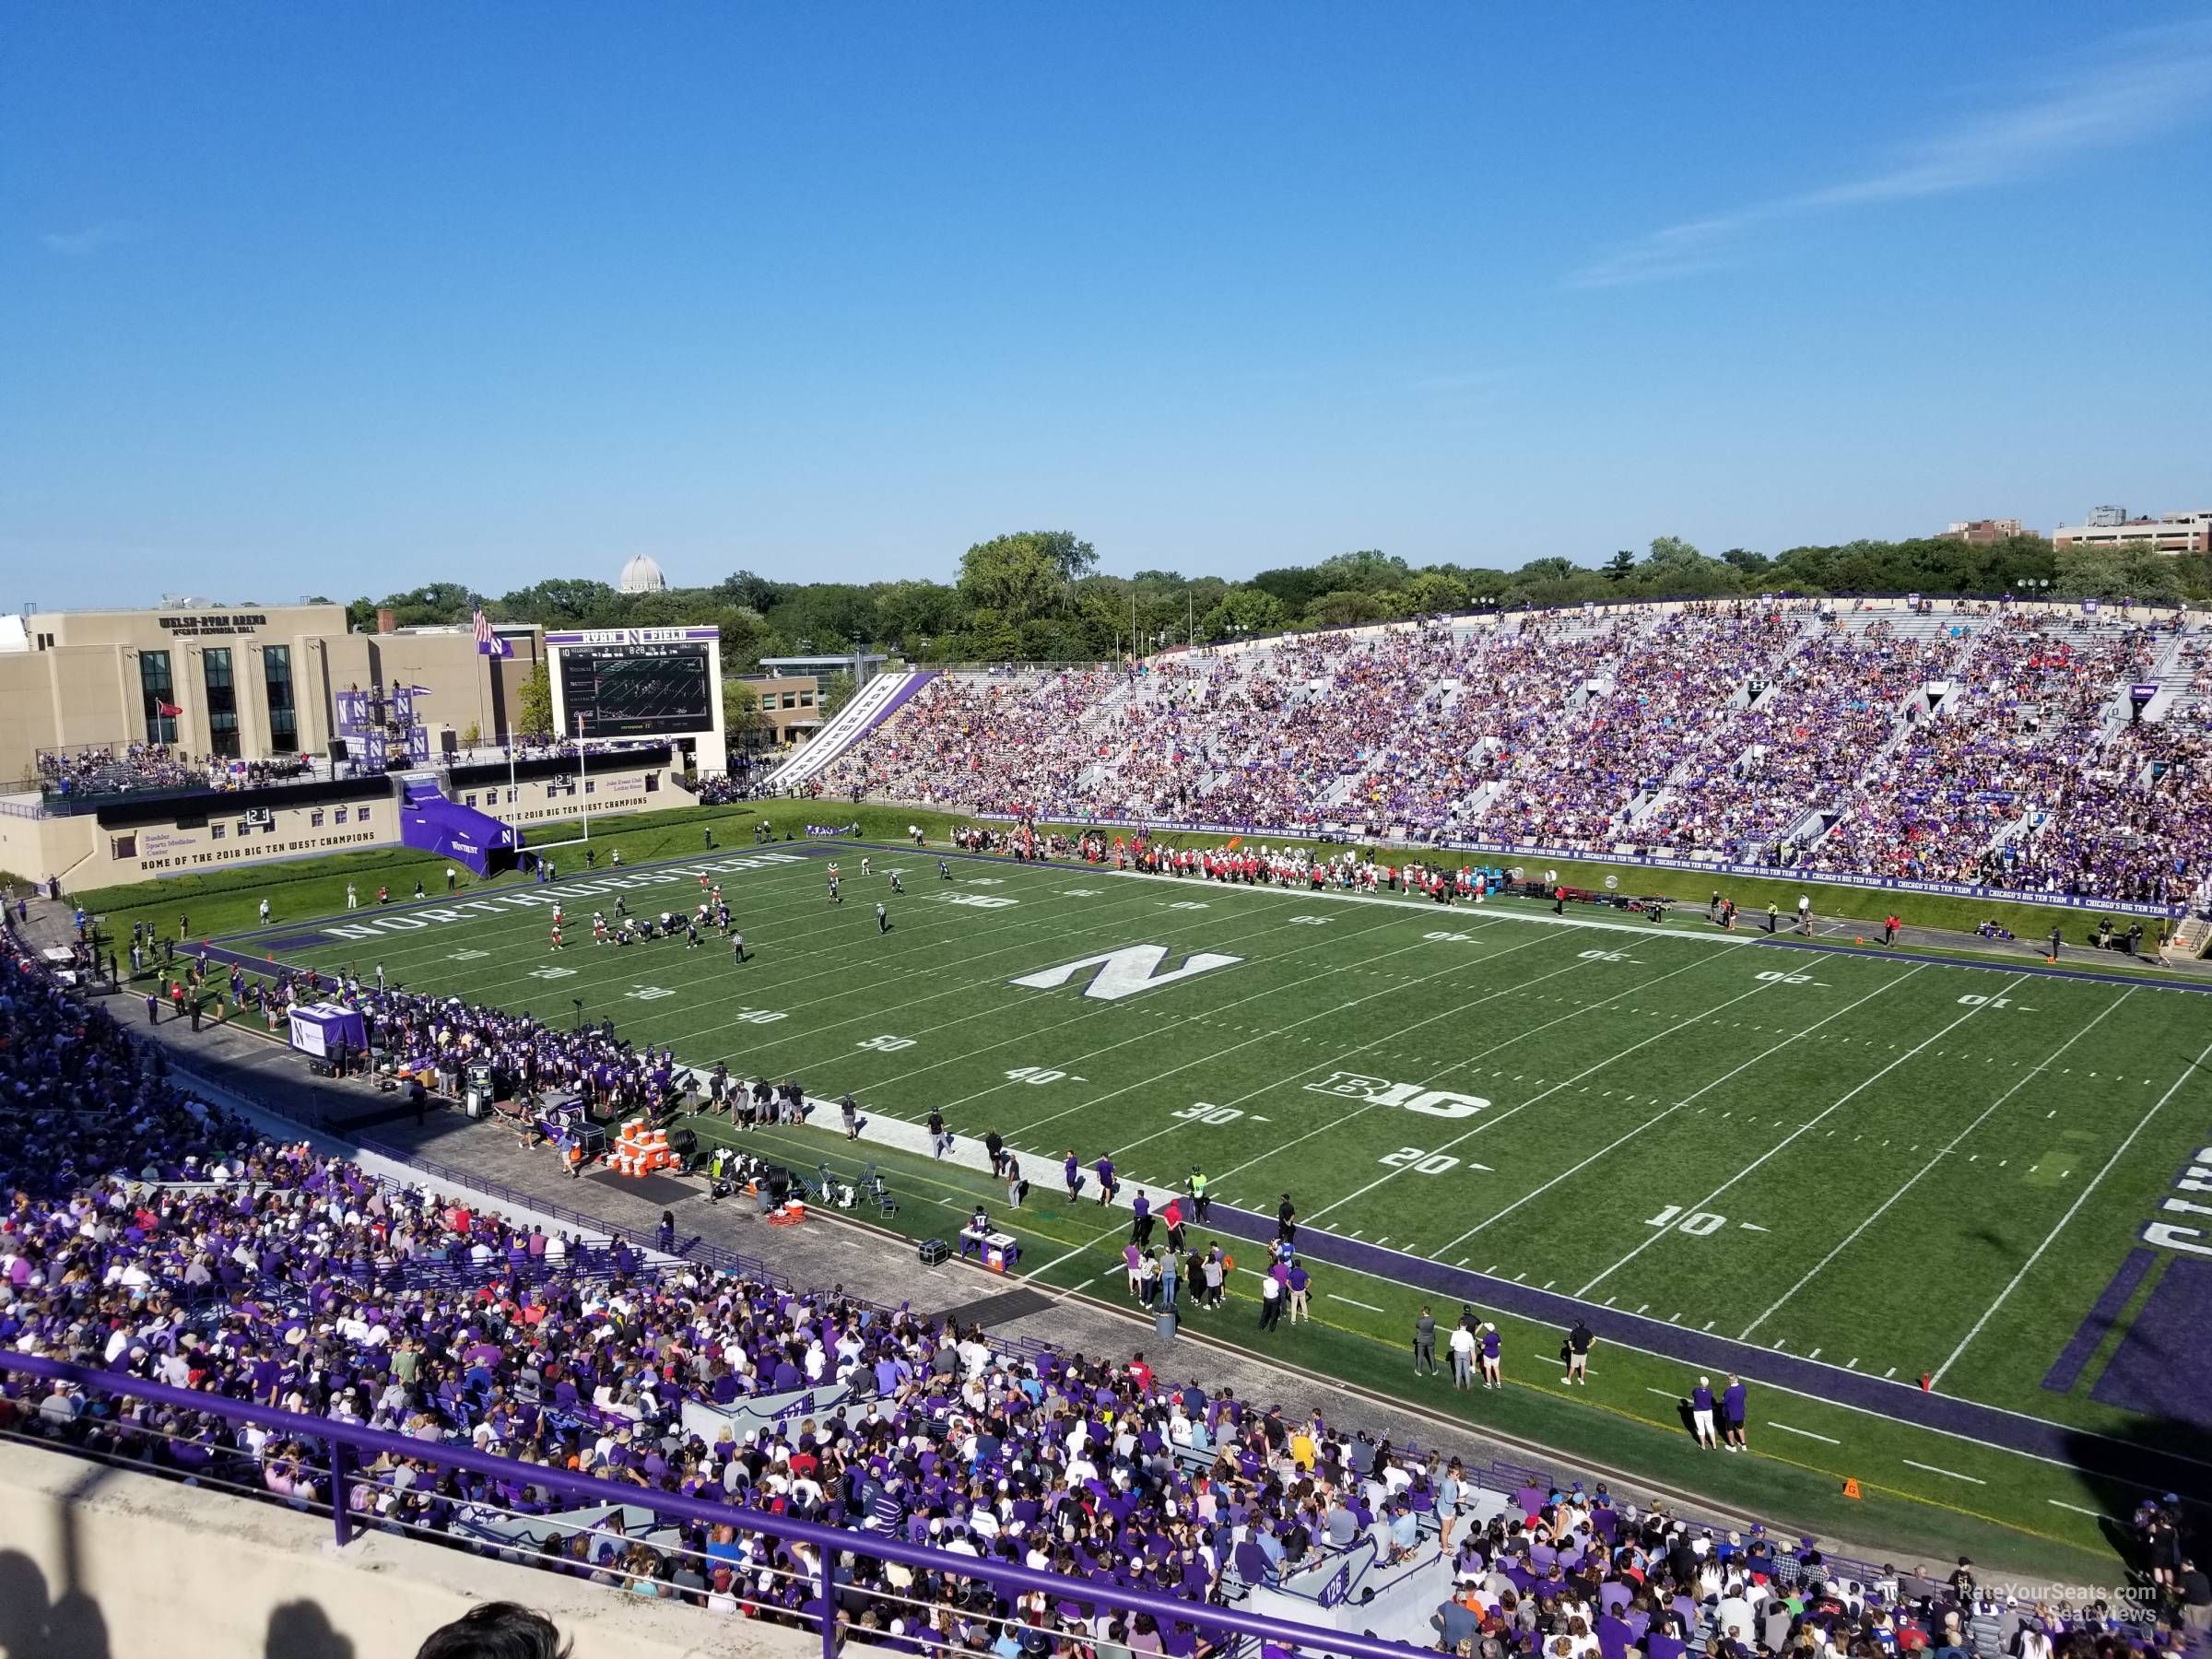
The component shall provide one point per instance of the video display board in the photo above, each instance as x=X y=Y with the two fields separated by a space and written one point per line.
x=636 y=688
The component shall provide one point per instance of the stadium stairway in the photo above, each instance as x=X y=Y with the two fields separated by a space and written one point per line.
x=872 y=705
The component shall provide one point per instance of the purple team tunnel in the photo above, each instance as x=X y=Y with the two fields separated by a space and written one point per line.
x=431 y=823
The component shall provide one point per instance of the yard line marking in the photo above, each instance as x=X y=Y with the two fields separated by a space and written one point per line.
x=1368 y=1306
x=1273 y=992
x=1657 y=1117
x=1954 y=1474
x=1665 y=1393
x=1814 y=1355
x=1146 y=1035
x=2026 y=1267
x=1579 y=1011
x=1854 y=1092
x=2077 y=1507
x=1789 y=1429
x=1493 y=1119
x=996 y=1009
x=1849 y=1239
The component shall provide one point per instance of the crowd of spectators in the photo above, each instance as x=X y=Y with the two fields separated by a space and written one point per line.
x=155 y=1237
x=99 y=769
x=1985 y=745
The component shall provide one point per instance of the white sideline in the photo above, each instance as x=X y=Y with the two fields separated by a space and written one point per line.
x=1945 y=1151
x=2029 y=1265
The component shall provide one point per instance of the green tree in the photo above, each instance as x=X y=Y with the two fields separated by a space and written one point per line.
x=533 y=703
x=837 y=691
x=1294 y=586
x=1621 y=566
x=1436 y=594
x=990 y=638
x=1349 y=608
x=557 y=602
x=1026 y=574
x=912 y=613
x=2092 y=573
x=754 y=592
x=1748 y=562
x=1368 y=570
x=440 y=602
x=1243 y=613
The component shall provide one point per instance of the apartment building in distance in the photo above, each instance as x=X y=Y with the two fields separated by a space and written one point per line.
x=1982 y=530
x=2113 y=529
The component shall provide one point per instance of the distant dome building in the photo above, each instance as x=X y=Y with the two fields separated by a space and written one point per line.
x=641 y=575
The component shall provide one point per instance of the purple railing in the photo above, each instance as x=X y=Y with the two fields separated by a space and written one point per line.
x=351 y=1445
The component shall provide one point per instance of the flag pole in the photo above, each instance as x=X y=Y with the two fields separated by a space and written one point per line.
x=485 y=669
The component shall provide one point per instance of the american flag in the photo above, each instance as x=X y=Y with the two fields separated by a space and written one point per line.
x=488 y=643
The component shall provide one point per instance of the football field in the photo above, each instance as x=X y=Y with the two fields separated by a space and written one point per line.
x=1887 y=1166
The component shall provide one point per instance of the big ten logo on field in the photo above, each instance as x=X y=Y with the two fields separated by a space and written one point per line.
x=1381 y=1091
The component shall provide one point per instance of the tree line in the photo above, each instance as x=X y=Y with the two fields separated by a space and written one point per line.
x=1038 y=596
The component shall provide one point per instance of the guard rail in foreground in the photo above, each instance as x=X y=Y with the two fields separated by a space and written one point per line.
x=349 y=1447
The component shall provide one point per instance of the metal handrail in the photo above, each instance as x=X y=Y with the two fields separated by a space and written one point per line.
x=350 y=1444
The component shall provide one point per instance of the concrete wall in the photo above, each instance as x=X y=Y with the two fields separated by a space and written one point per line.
x=98 y=1563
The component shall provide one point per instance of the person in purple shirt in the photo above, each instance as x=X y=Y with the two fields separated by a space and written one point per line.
x=1700 y=1412
x=1104 y=1169
x=1072 y=1172
x=1731 y=1415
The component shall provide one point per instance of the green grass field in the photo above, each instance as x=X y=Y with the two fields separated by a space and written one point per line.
x=1892 y=1166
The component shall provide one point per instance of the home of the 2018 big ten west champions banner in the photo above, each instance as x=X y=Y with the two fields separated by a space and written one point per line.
x=138 y=742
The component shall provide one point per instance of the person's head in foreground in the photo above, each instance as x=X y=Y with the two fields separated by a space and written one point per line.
x=496 y=1630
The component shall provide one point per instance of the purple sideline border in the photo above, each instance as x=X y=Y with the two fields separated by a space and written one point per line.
x=2101 y=1316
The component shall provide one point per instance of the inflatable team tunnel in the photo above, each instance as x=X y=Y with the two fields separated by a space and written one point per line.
x=431 y=823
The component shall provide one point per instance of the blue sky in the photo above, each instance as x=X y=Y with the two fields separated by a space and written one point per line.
x=352 y=297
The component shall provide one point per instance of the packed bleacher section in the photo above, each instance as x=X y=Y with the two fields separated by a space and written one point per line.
x=1979 y=743
x=102 y=770
x=156 y=1237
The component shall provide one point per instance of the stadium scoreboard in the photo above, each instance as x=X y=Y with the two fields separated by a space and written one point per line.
x=637 y=682
x=637 y=690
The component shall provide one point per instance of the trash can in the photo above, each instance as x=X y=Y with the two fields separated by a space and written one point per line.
x=1163 y=1325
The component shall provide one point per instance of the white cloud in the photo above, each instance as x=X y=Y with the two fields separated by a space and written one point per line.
x=2144 y=84
x=91 y=239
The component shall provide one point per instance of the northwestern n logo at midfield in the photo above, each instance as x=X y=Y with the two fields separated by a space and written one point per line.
x=1125 y=972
